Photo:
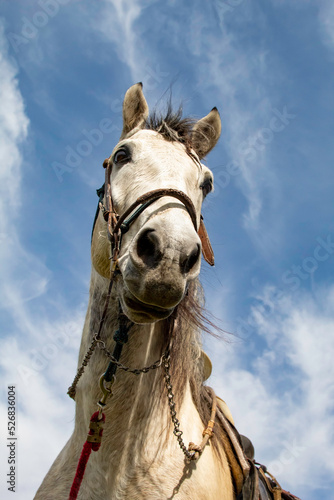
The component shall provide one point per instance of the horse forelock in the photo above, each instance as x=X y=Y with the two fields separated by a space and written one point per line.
x=172 y=126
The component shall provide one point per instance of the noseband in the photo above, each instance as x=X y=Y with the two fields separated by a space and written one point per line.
x=120 y=224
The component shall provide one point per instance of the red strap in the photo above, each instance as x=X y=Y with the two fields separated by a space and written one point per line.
x=95 y=431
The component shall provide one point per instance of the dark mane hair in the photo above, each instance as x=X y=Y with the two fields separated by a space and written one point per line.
x=182 y=332
x=172 y=126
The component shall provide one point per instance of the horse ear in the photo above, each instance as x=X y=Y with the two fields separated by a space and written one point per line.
x=135 y=109
x=206 y=132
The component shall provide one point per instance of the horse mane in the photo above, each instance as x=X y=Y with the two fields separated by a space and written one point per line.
x=172 y=126
x=183 y=331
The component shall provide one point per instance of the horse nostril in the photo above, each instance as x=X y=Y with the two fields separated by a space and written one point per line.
x=191 y=260
x=148 y=248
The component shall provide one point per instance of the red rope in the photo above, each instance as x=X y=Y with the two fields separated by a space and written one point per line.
x=84 y=457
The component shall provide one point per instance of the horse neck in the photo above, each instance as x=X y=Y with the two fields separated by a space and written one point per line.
x=138 y=440
x=132 y=394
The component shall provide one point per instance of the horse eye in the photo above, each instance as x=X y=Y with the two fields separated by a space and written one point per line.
x=121 y=156
x=206 y=187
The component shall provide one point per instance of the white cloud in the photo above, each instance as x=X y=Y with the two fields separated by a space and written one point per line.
x=43 y=411
x=239 y=76
x=23 y=276
x=284 y=401
x=117 y=22
x=13 y=130
x=30 y=346
x=326 y=21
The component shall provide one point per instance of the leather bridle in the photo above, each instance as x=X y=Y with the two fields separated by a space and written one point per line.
x=120 y=224
x=248 y=483
x=117 y=226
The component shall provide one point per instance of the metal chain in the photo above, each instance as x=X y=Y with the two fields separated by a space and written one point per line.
x=72 y=389
x=98 y=342
x=190 y=455
x=135 y=371
x=113 y=270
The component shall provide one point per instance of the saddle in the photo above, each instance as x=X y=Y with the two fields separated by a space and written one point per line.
x=252 y=480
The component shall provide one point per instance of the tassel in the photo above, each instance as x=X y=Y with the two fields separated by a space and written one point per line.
x=93 y=442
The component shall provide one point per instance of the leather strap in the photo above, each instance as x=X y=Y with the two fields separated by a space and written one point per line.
x=207 y=250
x=155 y=195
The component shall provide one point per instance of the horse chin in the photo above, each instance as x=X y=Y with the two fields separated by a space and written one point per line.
x=140 y=312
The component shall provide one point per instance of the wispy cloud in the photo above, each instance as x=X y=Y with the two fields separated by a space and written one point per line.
x=239 y=74
x=288 y=386
x=326 y=21
x=14 y=128
x=32 y=363
x=24 y=272
x=120 y=24
x=29 y=343
x=117 y=22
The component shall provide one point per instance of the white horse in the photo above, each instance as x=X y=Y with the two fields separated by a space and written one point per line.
x=143 y=454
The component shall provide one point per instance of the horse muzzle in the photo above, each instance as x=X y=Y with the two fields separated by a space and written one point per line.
x=161 y=260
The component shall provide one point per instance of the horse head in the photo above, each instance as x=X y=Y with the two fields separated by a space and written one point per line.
x=161 y=251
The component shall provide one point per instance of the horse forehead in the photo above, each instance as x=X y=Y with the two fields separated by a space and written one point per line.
x=151 y=143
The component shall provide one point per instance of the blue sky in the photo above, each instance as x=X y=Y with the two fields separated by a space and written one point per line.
x=268 y=67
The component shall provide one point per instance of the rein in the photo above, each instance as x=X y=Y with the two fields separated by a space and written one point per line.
x=117 y=226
